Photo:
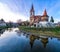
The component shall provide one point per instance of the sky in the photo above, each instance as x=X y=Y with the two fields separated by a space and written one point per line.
x=12 y=10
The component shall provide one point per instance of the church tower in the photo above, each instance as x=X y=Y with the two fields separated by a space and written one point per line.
x=32 y=11
x=32 y=14
x=45 y=16
x=45 y=13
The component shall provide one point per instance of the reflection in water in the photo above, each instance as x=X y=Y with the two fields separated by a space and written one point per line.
x=10 y=29
x=33 y=38
x=59 y=39
x=2 y=31
x=44 y=41
x=13 y=40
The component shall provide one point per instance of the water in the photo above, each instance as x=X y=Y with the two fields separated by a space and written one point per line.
x=12 y=40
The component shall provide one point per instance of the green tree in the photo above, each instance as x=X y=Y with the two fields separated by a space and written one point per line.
x=51 y=20
x=2 y=19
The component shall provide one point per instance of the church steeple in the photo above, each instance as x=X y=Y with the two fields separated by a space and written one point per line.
x=45 y=16
x=32 y=10
x=45 y=13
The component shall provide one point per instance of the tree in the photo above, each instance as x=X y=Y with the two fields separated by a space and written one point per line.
x=2 y=19
x=51 y=20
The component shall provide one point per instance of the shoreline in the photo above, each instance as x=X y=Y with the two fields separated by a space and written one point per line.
x=36 y=34
x=40 y=32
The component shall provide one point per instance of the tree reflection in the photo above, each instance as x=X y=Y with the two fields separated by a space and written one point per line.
x=2 y=31
x=19 y=33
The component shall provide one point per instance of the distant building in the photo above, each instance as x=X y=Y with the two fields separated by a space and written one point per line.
x=19 y=21
x=12 y=24
x=2 y=22
x=58 y=24
x=26 y=23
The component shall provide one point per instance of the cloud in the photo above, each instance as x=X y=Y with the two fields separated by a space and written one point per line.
x=9 y=15
x=12 y=10
x=56 y=20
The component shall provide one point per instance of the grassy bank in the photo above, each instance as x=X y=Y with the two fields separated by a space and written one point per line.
x=3 y=27
x=42 y=31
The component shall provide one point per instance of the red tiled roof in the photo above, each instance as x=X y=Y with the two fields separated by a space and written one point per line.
x=45 y=13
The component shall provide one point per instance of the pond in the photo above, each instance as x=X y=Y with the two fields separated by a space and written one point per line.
x=12 y=40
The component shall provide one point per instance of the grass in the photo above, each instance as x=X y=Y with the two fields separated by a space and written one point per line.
x=3 y=27
x=42 y=31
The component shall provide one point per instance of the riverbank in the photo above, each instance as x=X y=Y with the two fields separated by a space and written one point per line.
x=4 y=27
x=52 y=32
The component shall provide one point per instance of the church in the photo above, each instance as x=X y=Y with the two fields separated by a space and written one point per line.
x=40 y=20
x=37 y=18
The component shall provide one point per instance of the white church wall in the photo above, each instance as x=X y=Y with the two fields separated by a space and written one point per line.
x=45 y=24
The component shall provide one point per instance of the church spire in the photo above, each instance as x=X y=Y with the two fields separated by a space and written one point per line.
x=32 y=10
x=45 y=13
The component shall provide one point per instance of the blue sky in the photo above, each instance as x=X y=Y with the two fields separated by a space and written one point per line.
x=12 y=10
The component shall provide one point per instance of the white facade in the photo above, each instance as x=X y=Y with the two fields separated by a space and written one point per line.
x=44 y=24
x=2 y=23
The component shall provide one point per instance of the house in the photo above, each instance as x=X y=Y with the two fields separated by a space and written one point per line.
x=2 y=22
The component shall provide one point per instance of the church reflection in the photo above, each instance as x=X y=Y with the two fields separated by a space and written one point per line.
x=43 y=40
x=32 y=39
